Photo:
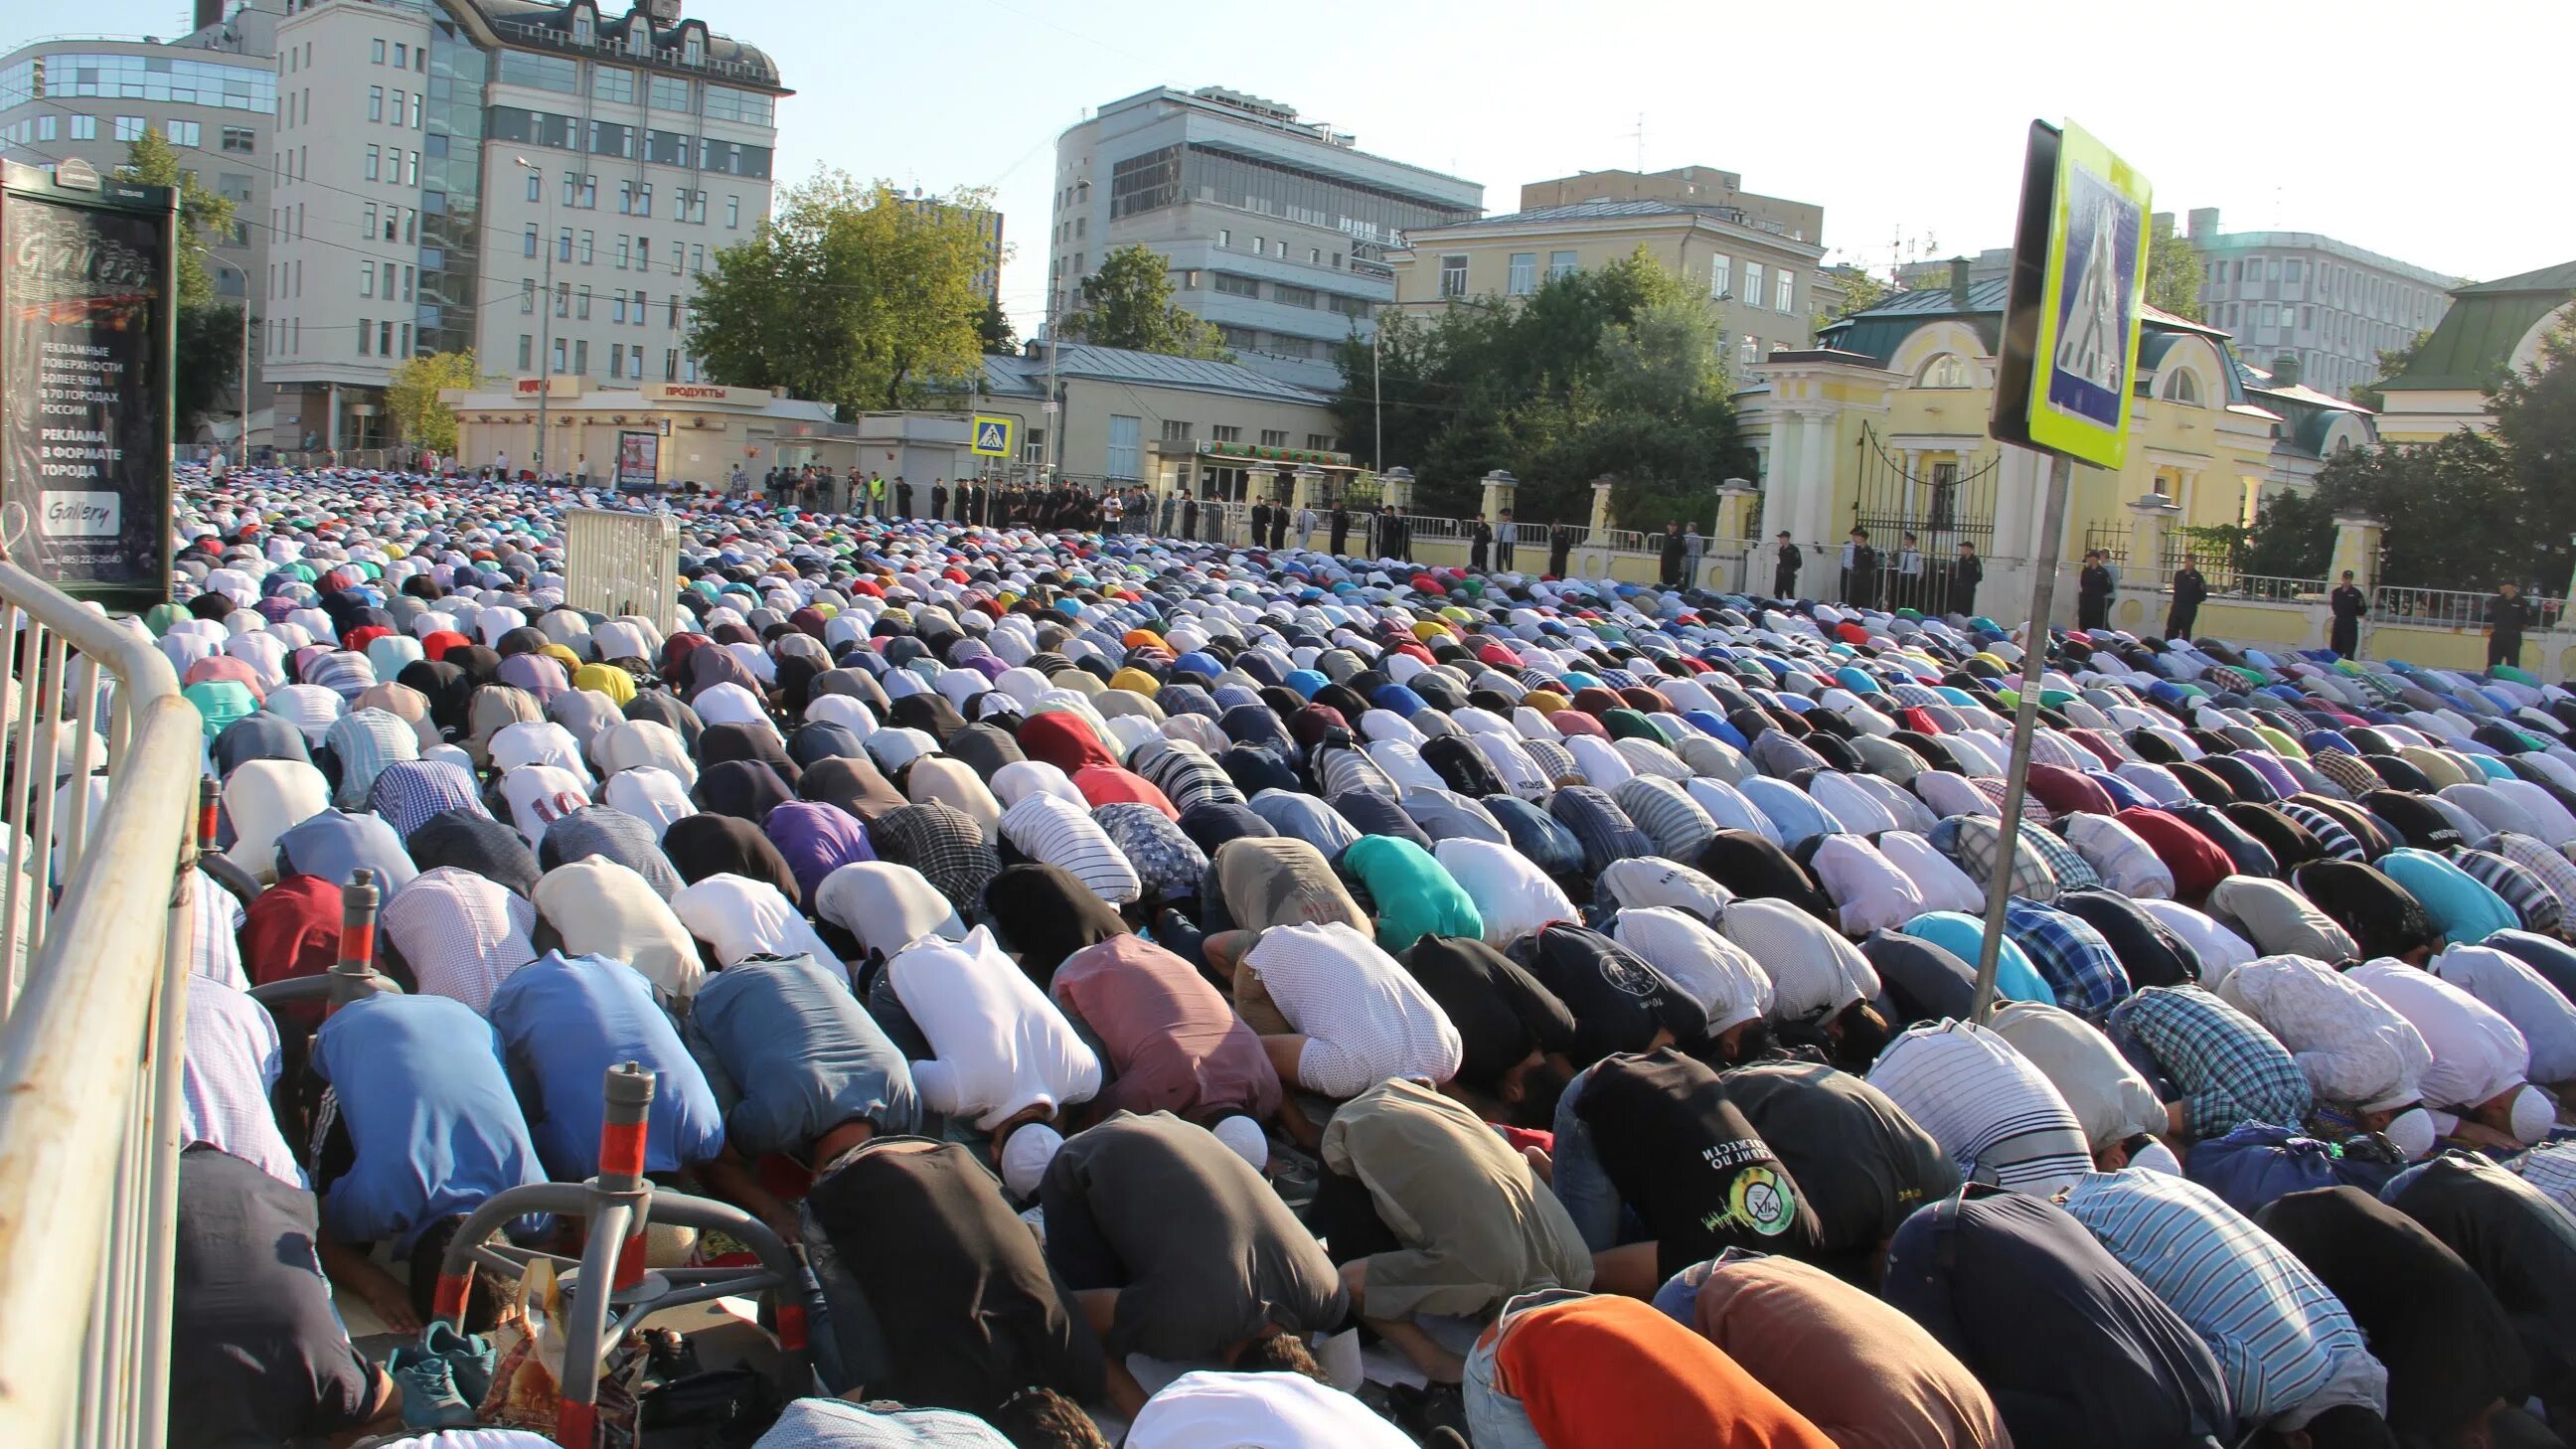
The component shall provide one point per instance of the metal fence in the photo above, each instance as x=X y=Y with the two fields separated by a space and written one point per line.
x=93 y=939
x=2453 y=608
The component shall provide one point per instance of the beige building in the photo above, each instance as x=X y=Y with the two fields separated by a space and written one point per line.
x=540 y=183
x=2489 y=328
x=1682 y=186
x=1766 y=287
x=1173 y=422
x=672 y=433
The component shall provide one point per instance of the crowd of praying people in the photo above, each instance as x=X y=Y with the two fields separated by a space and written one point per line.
x=1187 y=994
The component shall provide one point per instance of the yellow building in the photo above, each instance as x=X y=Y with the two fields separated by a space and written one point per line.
x=1883 y=424
x=1764 y=280
x=2492 y=327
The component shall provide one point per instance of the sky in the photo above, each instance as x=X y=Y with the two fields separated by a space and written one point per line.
x=2413 y=130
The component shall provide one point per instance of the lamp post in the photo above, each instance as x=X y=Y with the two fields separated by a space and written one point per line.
x=545 y=318
x=243 y=273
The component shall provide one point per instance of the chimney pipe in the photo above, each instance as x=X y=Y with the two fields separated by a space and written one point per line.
x=2285 y=370
x=1959 y=283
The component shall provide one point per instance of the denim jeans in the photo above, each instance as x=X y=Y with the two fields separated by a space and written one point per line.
x=1495 y=1419
x=1576 y=1174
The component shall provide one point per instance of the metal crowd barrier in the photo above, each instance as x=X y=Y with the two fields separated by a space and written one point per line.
x=93 y=966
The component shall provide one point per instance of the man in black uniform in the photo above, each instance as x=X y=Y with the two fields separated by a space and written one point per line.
x=1260 y=521
x=938 y=499
x=2093 y=592
x=1968 y=572
x=2349 y=605
x=1860 y=570
x=1784 y=570
x=2507 y=613
x=2189 y=588
x=1341 y=529
x=1480 y=543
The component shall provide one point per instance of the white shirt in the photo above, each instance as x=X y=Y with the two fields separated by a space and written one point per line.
x=740 y=918
x=601 y=908
x=1513 y=896
x=2353 y=1047
x=1868 y=890
x=887 y=906
x=1650 y=880
x=2477 y=1054
x=1048 y=830
x=1703 y=965
x=2221 y=950
x=1364 y=1016
x=2522 y=996
x=540 y=795
x=263 y=799
x=2126 y=863
x=2111 y=1099
x=1814 y=973
x=1001 y=1045
x=650 y=794
x=1999 y=1117
x=1212 y=1410
x=1729 y=808
x=1603 y=768
x=1936 y=877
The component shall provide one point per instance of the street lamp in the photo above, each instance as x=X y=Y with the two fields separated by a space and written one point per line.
x=244 y=274
x=545 y=317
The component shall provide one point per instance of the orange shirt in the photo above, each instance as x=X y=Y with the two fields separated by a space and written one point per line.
x=1612 y=1373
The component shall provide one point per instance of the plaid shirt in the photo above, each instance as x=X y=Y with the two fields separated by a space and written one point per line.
x=943 y=843
x=2079 y=964
x=2073 y=871
x=2531 y=899
x=1971 y=840
x=366 y=743
x=409 y=792
x=2550 y=868
x=2347 y=771
x=2230 y=1070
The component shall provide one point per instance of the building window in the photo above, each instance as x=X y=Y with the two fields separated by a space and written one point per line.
x=1322 y=442
x=236 y=138
x=1314 y=256
x=668 y=94
x=557 y=360
x=415 y=110
x=1946 y=370
x=563 y=299
x=733 y=213
x=1224 y=236
x=623 y=252
x=563 y=244
x=581 y=305
x=2290 y=270
x=1562 y=264
x=1721 y=278
x=1292 y=296
x=581 y=355
x=585 y=249
x=527 y=298
x=527 y=351
x=1786 y=290
x=85 y=128
x=612 y=83
x=402 y=56
x=366 y=336
x=644 y=199
x=2182 y=387
x=1233 y=286
x=527 y=239
x=1524 y=274
x=130 y=128
x=1274 y=437
x=375 y=103
x=181 y=133
x=376 y=51
x=1750 y=352
x=1752 y=284
x=1121 y=460
x=375 y=162
x=697 y=260
x=1453 y=276
x=670 y=364
x=617 y=359
x=1259 y=246
x=617 y=306
x=1226 y=434
x=537 y=187
x=366 y=279
x=1176 y=431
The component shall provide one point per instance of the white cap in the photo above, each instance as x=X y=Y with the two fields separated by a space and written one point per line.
x=1026 y=1155
x=2533 y=1115
x=2412 y=1132
x=1246 y=1138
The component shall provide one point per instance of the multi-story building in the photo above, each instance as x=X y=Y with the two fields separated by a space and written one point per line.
x=988 y=228
x=1765 y=283
x=212 y=94
x=539 y=183
x=2332 y=305
x=1683 y=186
x=1277 y=230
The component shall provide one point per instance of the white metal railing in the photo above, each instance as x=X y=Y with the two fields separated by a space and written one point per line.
x=2452 y=608
x=95 y=964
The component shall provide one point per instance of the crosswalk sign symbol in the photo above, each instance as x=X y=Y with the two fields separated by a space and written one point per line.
x=992 y=436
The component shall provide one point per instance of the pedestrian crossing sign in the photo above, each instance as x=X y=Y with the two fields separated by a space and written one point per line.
x=2077 y=300
x=992 y=437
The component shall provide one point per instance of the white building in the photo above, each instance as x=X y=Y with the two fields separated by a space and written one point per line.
x=212 y=94
x=2332 y=305
x=1276 y=229
x=540 y=183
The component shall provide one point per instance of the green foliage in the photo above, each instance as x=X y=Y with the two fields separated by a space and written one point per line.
x=2174 y=273
x=412 y=397
x=2392 y=361
x=209 y=350
x=2535 y=413
x=1861 y=291
x=995 y=330
x=2450 y=506
x=2292 y=538
x=1616 y=371
x=1128 y=303
x=850 y=294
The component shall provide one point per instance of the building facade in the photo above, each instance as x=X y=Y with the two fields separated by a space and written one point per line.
x=1173 y=422
x=2328 y=303
x=539 y=183
x=2490 y=328
x=1763 y=285
x=1276 y=230
x=1683 y=186
x=212 y=95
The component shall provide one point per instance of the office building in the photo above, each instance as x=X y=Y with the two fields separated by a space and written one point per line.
x=539 y=183
x=1276 y=229
x=2332 y=305
x=212 y=94
x=1763 y=278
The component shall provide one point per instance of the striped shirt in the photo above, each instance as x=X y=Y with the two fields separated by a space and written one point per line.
x=2231 y=1071
x=1185 y=774
x=460 y=934
x=1666 y=812
x=215 y=918
x=1341 y=769
x=1599 y=825
x=2338 y=843
x=365 y=743
x=231 y=1066
x=2078 y=962
x=2531 y=899
x=408 y=792
x=1047 y=830
x=2550 y=868
x=1995 y=1114
x=2278 y=1333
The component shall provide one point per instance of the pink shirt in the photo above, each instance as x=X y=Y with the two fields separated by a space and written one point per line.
x=1175 y=1042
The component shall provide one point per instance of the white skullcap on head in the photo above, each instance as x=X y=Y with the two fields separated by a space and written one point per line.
x=1246 y=1138
x=1026 y=1155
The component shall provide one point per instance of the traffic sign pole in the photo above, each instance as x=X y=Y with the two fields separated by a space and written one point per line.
x=2043 y=596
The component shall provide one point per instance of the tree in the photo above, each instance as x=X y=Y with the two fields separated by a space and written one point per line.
x=412 y=397
x=209 y=351
x=1861 y=290
x=2293 y=536
x=2174 y=272
x=1128 y=303
x=851 y=294
x=2535 y=413
x=1616 y=371
x=995 y=329
x=2450 y=507
x=2392 y=361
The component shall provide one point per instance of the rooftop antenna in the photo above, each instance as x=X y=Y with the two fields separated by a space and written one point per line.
x=1639 y=135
